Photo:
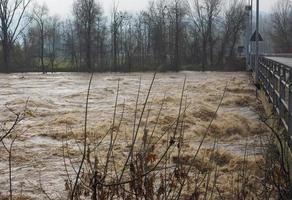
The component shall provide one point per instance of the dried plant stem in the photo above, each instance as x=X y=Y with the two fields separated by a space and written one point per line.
x=137 y=129
x=202 y=141
x=85 y=140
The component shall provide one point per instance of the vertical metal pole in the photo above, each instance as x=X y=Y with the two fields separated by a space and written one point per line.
x=247 y=38
x=257 y=42
x=251 y=30
x=248 y=34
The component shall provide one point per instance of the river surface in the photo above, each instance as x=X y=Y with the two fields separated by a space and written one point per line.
x=56 y=104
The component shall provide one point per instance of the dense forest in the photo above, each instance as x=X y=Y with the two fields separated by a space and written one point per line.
x=168 y=35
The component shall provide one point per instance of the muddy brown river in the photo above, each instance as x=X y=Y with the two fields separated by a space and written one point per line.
x=56 y=104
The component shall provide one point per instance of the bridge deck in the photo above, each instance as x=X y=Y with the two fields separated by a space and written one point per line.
x=284 y=60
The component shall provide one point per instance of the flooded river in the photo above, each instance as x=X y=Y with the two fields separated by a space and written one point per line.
x=56 y=104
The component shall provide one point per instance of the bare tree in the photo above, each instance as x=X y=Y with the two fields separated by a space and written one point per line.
x=281 y=25
x=85 y=12
x=204 y=14
x=233 y=25
x=40 y=15
x=158 y=32
x=53 y=40
x=199 y=19
x=177 y=33
x=100 y=40
x=11 y=15
x=140 y=27
x=213 y=10
x=129 y=41
x=117 y=20
x=69 y=37
x=178 y=9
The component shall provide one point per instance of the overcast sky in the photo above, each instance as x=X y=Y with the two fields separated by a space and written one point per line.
x=63 y=8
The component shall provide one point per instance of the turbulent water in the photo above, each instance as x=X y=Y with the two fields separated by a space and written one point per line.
x=57 y=110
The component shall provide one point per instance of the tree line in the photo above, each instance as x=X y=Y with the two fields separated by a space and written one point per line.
x=281 y=26
x=167 y=35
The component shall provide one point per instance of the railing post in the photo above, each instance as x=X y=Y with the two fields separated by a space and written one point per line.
x=260 y=69
x=282 y=92
x=270 y=78
x=274 y=83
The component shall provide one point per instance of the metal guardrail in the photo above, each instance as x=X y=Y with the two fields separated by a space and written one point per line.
x=276 y=79
x=283 y=55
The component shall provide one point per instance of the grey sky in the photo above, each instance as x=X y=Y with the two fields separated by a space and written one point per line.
x=63 y=8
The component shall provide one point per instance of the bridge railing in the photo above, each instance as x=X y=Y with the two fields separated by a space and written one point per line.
x=276 y=79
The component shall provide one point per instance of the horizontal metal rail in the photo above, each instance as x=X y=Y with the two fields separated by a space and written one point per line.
x=276 y=79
